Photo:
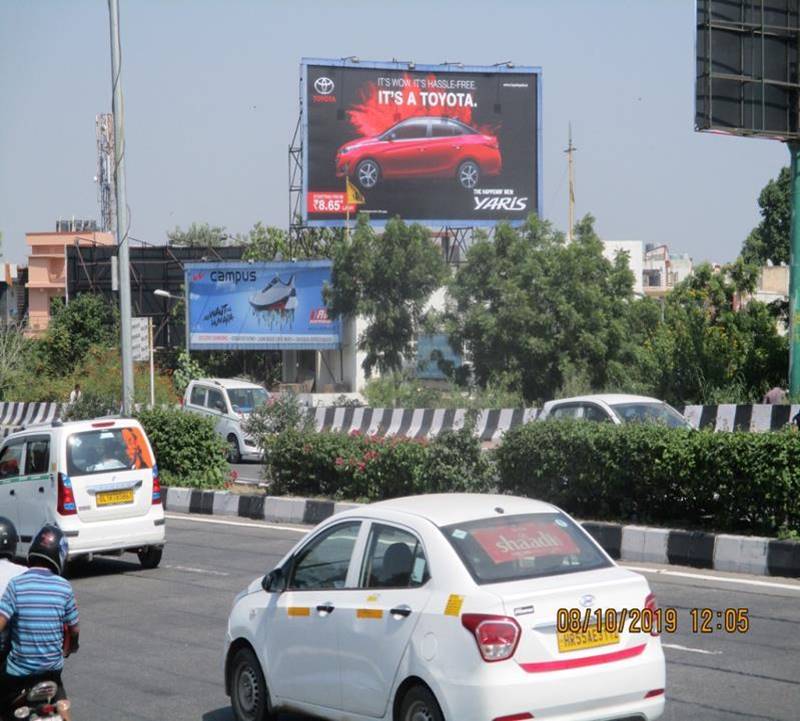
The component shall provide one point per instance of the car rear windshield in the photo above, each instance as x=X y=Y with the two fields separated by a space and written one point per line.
x=245 y=400
x=650 y=413
x=107 y=450
x=512 y=548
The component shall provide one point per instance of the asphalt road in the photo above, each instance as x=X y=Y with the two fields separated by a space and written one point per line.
x=151 y=641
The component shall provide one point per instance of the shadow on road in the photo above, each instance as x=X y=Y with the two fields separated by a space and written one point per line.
x=103 y=566
x=226 y=714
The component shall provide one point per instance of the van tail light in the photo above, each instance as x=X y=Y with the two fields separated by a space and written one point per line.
x=156 y=487
x=651 y=605
x=655 y=692
x=66 y=499
x=515 y=717
x=497 y=636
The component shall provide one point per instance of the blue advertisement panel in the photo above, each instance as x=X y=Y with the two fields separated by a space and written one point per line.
x=259 y=306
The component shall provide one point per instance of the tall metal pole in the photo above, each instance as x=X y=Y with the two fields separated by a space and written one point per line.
x=117 y=109
x=794 y=278
x=571 y=220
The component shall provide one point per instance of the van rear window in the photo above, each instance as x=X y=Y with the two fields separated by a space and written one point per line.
x=511 y=548
x=106 y=450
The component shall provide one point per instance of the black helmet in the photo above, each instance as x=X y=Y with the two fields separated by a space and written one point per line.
x=50 y=544
x=8 y=539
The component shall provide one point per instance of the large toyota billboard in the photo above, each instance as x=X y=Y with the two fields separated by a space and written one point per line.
x=438 y=144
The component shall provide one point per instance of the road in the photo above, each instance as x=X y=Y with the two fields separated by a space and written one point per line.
x=247 y=470
x=151 y=641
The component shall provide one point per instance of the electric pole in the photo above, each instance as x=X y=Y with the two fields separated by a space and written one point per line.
x=571 y=221
x=118 y=111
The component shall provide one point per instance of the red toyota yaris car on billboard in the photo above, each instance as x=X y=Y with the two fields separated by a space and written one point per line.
x=421 y=147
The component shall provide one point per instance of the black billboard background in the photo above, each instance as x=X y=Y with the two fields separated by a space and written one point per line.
x=505 y=104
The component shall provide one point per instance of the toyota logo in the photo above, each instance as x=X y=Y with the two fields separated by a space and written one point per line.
x=324 y=86
x=586 y=600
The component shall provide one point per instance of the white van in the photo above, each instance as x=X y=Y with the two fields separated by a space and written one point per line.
x=227 y=402
x=97 y=480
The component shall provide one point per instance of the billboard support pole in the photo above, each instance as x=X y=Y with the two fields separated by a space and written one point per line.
x=794 y=276
x=123 y=242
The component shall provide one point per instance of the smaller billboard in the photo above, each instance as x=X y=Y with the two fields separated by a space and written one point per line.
x=259 y=306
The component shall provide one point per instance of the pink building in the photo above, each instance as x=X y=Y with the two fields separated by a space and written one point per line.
x=47 y=276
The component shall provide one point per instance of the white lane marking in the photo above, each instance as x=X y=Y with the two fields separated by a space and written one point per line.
x=678 y=647
x=721 y=579
x=203 y=571
x=293 y=529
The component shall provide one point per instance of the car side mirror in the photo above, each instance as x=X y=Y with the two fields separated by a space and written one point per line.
x=274 y=581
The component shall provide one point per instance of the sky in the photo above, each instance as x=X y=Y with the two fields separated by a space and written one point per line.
x=211 y=102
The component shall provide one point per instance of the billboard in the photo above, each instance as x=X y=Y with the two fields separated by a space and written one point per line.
x=437 y=144
x=259 y=306
x=747 y=60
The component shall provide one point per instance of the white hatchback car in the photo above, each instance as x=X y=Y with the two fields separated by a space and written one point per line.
x=97 y=480
x=228 y=402
x=616 y=408
x=444 y=607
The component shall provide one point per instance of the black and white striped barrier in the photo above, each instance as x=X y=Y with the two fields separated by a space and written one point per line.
x=643 y=544
x=14 y=415
x=429 y=422
x=419 y=422
x=491 y=424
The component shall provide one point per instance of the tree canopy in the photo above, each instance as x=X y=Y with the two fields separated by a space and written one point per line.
x=769 y=240
x=387 y=278
x=533 y=311
x=198 y=235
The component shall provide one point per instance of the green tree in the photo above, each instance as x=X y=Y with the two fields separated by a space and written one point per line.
x=75 y=327
x=198 y=235
x=769 y=240
x=388 y=279
x=709 y=348
x=264 y=242
x=537 y=314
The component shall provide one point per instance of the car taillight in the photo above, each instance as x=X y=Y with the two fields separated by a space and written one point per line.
x=651 y=605
x=655 y=692
x=497 y=636
x=156 y=487
x=66 y=499
x=515 y=717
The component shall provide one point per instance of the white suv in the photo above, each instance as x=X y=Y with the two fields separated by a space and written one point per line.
x=228 y=402
x=97 y=480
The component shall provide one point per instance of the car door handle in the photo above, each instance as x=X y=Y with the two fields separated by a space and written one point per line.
x=402 y=611
x=41 y=489
x=12 y=492
x=325 y=609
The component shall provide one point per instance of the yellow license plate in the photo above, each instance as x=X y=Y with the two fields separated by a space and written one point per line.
x=580 y=641
x=113 y=498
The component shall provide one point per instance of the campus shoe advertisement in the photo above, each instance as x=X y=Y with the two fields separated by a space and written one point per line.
x=428 y=143
x=259 y=306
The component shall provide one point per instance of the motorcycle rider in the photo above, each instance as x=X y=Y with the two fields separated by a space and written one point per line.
x=8 y=569
x=40 y=607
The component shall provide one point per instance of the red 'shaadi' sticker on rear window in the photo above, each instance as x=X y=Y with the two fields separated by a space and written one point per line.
x=525 y=540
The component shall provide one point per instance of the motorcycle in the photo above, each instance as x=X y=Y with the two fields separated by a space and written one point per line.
x=36 y=704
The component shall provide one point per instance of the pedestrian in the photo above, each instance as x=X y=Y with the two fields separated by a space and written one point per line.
x=775 y=396
x=8 y=570
x=39 y=605
x=75 y=394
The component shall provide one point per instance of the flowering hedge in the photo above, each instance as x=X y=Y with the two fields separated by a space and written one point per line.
x=360 y=467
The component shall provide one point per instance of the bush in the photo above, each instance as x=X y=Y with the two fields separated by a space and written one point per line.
x=188 y=450
x=92 y=405
x=282 y=412
x=745 y=482
x=371 y=468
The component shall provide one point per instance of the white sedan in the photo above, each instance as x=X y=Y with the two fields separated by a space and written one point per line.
x=446 y=607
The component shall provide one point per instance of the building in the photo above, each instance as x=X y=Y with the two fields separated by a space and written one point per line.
x=47 y=261
x=663 y=270
x=634 y=250
x=13 y=297
x=773 y=284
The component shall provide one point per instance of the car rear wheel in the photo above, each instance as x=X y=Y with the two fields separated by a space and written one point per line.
x=468 y=174
x=249 y=694
x=419 y=704
x=150 y=556
x=367 y=174
x=234 y=452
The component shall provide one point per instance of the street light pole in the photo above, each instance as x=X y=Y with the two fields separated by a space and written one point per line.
x=117 y=109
